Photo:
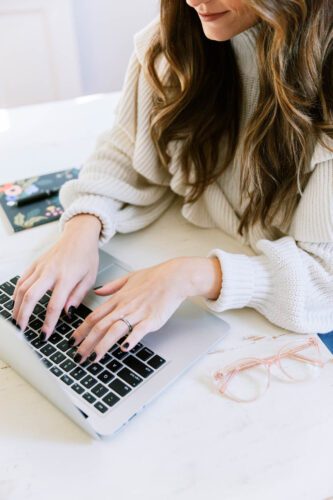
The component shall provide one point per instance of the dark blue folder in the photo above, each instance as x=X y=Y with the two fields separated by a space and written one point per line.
x=327 y=339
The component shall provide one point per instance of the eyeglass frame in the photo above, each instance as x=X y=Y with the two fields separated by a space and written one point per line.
x=240 y=365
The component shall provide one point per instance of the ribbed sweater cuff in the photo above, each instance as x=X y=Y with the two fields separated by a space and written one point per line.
x=246 y=281
x=94 y=205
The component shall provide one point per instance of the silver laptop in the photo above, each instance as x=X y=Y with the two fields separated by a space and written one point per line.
x=102 y=397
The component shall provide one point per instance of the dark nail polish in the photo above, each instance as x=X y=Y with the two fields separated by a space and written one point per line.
x=71 y=341
x=42 y=337
x=71 y=312
x=92 y=357
x=126 y=345
x=14 y=321
x=77 y=357
x=98 y=287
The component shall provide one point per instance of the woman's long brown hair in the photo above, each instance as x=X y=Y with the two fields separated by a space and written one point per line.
x=198 y=101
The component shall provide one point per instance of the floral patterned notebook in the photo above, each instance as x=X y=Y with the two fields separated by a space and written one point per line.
x=38 y=212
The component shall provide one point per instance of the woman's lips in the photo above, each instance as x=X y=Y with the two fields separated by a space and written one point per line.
x=212 y=17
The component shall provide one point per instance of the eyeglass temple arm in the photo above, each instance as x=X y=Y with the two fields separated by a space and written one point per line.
x=230 y=374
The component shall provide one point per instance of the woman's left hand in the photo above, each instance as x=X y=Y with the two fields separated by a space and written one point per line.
x=146 y=299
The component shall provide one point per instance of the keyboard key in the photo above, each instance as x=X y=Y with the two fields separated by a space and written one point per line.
x=119 y=354
x=119 y=387
x=78 y=373
x=5 y=314
x=111 y=399
x=156 y=361
x=88 y=381
x=105 y=359
x=8 y=288
x=38 y=343
x=9 y=305
x=44 y=300
x=99 y=390
x=144 y=354
x=121 y=340
x=63 y=345
x=89 y=397
x=39 y=309
x=57 y=357
x=131 y=378
x=83 y=311
x=68 y=365
x=48 y=349
x=69 y=334
x=46 y=362
x=36 y=324
x=3 y=298
x=56 y=371
x=76 y=323
x=136 y=348
x=100 y=407
x=138 y=366
x=14 y=280
x=67 y=319
x=114 y=366
x=77 y=388
x=71 y=352
x=67 y=379
x=95 y=369
x=63 y=328
x=55 y=338
x=30 y=335
x=105 y=377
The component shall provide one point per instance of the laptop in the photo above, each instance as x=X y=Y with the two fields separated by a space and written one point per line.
x=102 y=397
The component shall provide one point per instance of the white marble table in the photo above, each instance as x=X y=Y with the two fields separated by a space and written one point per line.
x=190 y=443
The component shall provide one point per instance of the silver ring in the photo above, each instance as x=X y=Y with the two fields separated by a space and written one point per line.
x=130 y=327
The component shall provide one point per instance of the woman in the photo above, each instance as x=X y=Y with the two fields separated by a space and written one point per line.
x=232 y=112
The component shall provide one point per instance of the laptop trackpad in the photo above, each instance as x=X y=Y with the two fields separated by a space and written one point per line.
x=110 y=273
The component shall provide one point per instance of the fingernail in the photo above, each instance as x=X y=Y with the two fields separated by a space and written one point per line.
x=92 y=357
x=71 y=341
x=125 y=346
x=98 y=287
x=71 y=312
x=77 y=358
x=42 y=337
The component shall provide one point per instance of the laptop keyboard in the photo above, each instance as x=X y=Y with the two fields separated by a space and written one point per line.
x=102 y=384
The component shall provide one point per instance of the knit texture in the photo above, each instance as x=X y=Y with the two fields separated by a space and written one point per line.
x=289 y=280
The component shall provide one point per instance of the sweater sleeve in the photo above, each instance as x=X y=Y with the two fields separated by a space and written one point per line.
x=122 y=183
x=290 y=281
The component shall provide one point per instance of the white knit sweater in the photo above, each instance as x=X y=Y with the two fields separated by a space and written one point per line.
x=289 y=280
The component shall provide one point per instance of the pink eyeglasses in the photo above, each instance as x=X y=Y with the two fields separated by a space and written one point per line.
x=249 y=378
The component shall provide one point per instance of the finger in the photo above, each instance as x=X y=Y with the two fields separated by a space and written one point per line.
x=24 y=287
x=86 y=348
x=78 y=293
x=139 y=331
x=117 y=330
x=91 y=320
x=113 y=286
x=55 y=307
x=31 y=296
x=23 y=278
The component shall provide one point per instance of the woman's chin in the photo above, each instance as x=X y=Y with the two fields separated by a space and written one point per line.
x=216 y=36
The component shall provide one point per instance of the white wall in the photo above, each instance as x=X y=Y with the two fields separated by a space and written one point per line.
x=38 y=52
x=105 y=31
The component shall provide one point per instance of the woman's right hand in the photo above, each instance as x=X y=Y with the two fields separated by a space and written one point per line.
x=69 y=268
